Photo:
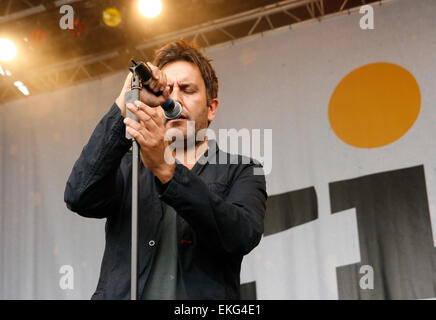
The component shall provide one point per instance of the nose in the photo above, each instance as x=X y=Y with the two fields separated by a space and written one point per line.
x=175 y=94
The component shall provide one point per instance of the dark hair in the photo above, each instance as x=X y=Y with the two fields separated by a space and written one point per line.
x=183 y=51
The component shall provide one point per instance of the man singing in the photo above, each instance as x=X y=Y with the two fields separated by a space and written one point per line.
x=197 y=219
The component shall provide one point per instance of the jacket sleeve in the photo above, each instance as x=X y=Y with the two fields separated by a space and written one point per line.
x=95 y=185
x=233 y=225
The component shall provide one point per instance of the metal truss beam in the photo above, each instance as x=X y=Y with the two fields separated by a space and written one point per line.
x=50 y=76
x=252 y=15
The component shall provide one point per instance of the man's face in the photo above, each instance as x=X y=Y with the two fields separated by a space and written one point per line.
x=189 y=89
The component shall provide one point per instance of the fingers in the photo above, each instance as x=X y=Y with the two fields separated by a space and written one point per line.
x=120 y=100
x=150 y=113
x=130 y=123
x=155 y=73
x=150 y=99
x=166 y=93
x=147 y=117
x=137 y=131
x=163 y=81
x=141 y=134
x=159 y=79
x=154 y=70
x=128 y=82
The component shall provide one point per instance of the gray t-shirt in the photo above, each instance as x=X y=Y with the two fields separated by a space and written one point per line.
x=164 y=281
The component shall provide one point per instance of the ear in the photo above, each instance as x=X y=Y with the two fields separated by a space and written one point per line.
x=213 y=108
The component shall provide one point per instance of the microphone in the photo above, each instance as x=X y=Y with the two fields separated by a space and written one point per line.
x=172 y=109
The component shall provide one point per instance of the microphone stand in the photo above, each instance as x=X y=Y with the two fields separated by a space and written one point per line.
x=141 y=76
x=130 y=97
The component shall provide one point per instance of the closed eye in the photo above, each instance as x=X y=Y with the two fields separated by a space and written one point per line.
x=189 y=88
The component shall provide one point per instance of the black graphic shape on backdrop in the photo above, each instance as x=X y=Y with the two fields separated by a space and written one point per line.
x=285 y=211
x=290 y=209
x=248 y=291
x=395 y=235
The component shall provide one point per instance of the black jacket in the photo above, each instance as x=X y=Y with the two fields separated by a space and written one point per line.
x=220 y=213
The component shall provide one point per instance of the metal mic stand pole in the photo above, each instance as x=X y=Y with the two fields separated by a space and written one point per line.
x=130 y=97
x=141 y=75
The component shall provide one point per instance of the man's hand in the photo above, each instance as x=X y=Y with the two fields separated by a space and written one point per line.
x=158 y=83
x=149 y=132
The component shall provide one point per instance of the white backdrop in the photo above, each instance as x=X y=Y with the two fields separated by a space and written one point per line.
x=282 y=80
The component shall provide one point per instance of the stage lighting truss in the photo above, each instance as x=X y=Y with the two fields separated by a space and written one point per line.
x=53 y=77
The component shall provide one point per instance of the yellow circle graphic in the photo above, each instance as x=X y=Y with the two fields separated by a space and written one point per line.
x=374 y=105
